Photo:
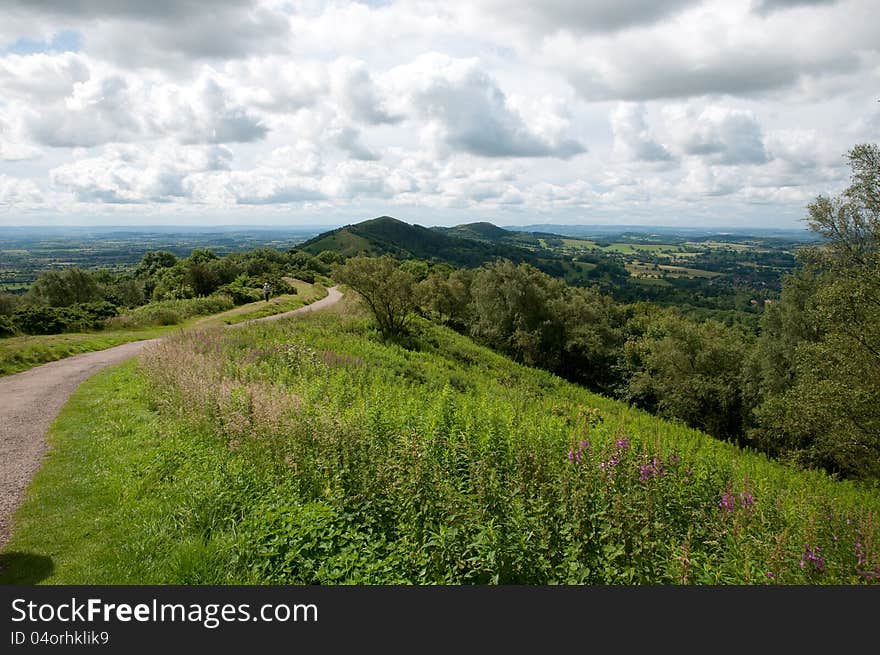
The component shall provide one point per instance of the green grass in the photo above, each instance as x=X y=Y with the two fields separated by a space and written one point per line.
x=309 y=451
x=21 y=353
x=306 y=294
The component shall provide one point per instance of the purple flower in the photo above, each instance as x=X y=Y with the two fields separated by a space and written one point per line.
x=652 y=470
x=623 y=444
x=812 y=557
x=728 y=501
x=570 y=456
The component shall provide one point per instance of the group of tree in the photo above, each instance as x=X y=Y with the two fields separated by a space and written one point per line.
x=73 y=299
x=805 y=388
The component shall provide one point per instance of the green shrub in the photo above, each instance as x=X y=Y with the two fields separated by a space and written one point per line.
x=7 y=327
x=172 y=312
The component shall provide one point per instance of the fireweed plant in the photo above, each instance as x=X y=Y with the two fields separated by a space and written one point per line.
x=312 y=452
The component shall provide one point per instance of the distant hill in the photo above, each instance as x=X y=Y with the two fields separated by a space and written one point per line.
x=476 y=231
x=464 y=245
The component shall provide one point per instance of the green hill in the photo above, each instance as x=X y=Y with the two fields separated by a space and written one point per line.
x=386 y=235
x=477 y=231
x=310 y=452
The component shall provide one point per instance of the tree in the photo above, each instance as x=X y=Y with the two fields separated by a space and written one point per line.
x=513 y=312
x=447 y=297
x=825 y=409
x=687 y=370
x=153 y=261
x=388 y=291
x=65 y=288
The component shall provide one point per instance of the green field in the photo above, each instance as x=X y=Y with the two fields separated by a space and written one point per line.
x=23 y=352
x=681 y=271
x=310 y=452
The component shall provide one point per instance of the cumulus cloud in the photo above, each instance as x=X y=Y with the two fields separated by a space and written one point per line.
x=580 y=16
x=166 y=29
x=16 y=191
x=718 y=48
x=119 y=108
x=769 y=6
x=633 y=138
x=132 y=174
x=42 y=77
x=467 y=111
x=99 y=111
x=349 y=140
x=278 y=84
x=357 y=95
x=717 y=134
x=204 y=113
x=479 y=106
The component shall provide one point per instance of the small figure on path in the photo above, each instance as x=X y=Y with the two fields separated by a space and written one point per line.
x=267 y=290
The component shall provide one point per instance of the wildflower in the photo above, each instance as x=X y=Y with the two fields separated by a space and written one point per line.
x=652 y=470
x=577 y=456
x=570 y=456
x=814 y=557
x=728 y=501
x=746 y=499
x=623 y=444
x=770 y=575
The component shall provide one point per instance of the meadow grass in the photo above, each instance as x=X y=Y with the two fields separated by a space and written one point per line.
x=309 y=451
x=306 y=294
x=21 y=353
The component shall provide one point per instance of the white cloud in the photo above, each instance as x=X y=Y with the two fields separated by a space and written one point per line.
x=698 y=109
x=356 y=93
x=632 y=136
x=716 y=48
x=718 y=134
x=16 y=191
x=467 y=111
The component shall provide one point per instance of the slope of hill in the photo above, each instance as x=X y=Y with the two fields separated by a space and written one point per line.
x=312 y=452
x=386 y=235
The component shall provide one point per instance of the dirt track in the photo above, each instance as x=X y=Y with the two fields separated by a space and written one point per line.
x=31 y=400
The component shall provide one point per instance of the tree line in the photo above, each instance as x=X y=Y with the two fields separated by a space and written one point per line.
x=74 y=299
x=805 y=389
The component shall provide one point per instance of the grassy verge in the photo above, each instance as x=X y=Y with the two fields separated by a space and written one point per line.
x=21 y=353
x=315 y=453
x=306 y=294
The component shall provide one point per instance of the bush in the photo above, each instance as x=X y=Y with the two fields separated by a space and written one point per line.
x=38 y=319
x=172 y=312
x=7 y=327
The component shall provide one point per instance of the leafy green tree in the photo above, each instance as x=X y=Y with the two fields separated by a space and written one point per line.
x=822 y=405
x=687 y=370
x=66 y=287
x=153 y=261
x=388 y=290
x=447 y=297
x=513 y=312
x=593 y=338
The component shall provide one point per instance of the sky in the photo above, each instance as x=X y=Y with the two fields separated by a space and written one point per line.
x=271 y=112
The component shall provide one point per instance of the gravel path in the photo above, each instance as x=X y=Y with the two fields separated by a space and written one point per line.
x=31 y=400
